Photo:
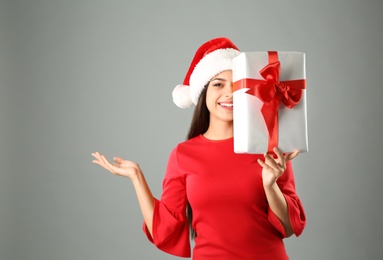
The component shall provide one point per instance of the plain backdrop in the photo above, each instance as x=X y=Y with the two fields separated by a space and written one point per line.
x=90 y=75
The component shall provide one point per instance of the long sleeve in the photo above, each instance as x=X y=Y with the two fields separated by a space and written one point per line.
x=294 y=206
x=170 y=224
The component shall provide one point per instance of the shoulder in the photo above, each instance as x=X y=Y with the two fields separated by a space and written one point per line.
x=180 y=157
x=186 y=148
x=190 y=144
x=194 y=140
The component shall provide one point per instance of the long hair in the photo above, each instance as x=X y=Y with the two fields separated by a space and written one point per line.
x=199 y=125
x=201 y=117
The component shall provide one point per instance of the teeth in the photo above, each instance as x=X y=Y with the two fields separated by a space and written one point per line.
x=226 y=105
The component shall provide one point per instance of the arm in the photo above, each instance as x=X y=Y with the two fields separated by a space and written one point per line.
x=165 y=222
x=145 y=199
x=272 y=170
x=133 y=172
x=278 y=205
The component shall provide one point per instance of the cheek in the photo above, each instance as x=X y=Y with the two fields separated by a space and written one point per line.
x=210 y=100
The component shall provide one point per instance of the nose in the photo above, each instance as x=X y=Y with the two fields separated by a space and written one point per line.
x=229 y=94
x=229 y=90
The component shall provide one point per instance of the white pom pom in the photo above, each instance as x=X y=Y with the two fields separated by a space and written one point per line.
x=181 y=96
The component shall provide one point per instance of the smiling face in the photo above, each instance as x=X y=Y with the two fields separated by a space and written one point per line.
x=219 y=98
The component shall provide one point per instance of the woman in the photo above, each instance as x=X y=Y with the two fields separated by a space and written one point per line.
x=240 y=206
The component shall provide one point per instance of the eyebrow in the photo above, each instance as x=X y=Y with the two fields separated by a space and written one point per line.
x=218 y=79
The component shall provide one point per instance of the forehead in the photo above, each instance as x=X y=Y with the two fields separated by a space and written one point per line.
x=224 y=75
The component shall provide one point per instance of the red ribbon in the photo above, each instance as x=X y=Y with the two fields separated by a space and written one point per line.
x=272 y=92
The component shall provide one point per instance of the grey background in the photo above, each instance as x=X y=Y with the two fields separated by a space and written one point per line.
x=84 y=76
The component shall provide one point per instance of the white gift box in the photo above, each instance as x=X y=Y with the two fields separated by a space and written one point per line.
x=251 y=129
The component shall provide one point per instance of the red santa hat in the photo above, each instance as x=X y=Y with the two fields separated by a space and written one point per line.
x=211 y=58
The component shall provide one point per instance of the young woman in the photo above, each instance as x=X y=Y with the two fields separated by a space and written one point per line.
x=240 y=206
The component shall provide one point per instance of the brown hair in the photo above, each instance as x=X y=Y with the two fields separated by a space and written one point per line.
x=201 y=117
x=199 y=125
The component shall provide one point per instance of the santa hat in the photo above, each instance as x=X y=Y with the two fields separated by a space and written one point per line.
x=211 y=58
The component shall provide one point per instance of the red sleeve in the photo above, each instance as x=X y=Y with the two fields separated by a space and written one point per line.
x=294 y=206
x=170 y=224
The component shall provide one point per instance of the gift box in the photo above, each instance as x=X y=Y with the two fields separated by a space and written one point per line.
x=269 y=100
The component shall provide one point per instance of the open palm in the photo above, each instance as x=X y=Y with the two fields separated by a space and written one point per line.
x=120 y=166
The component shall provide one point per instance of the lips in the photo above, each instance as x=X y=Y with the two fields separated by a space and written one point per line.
x=226 y=104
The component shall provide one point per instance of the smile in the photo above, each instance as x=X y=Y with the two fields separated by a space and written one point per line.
x=230 y=105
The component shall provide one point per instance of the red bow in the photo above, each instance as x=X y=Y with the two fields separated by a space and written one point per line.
x=289 y=92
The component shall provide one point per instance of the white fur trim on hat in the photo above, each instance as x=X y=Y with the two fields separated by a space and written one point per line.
x=211 y=65
x=181 y=96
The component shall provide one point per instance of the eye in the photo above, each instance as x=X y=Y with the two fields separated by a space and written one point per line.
x=218 y=85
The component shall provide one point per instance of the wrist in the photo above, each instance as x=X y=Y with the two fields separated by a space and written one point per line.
x=137 y=176
x=270 y=185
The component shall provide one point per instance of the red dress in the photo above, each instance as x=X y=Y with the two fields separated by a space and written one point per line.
x=230 y=212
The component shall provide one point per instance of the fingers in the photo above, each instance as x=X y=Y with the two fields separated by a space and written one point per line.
x=97 y=160
x=121 y=167
x=107 y=163
x=292 y=155
x=282 y=158
x=274 y=166
x=278 y=152
x=103 y=162
x=278 y=164
x=118 y=160
x=265 y=164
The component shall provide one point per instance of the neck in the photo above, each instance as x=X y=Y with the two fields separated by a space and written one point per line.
x=218 y=132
